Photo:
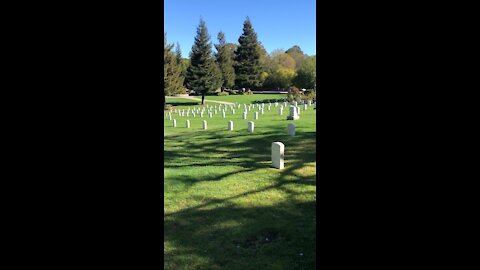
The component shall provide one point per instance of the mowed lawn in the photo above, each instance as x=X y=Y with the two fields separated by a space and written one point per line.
x=225 y=208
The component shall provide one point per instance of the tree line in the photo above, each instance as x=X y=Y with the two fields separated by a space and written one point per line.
x=243 y=65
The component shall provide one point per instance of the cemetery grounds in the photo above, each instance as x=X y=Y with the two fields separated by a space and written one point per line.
x=225 y=207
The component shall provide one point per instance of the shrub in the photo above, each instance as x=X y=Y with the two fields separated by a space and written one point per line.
x=311 y=95
x=248 y=93
x=222 y=94
x=294 y=94
x=183 y=91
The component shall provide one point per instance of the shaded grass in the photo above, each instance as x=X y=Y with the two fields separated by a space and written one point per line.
x=225 y=208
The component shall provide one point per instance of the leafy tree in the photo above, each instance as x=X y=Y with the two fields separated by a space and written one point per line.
x=279 y=59
x=172 y=71
x=203 y=74
x=247 y=58
x=307 y=74
x=224 y=57
x=297 y=54
x=282 y=78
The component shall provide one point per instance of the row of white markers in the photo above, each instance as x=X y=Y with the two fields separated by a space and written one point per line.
x=250 y=128
x=278 y=148
x=260 y=107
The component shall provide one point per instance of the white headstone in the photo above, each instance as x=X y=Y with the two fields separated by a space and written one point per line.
x=204 y=124
x=174 y=123
x=223 y=114
x=278 y=155
x=280 y=110
x=293 y=114
x=244 y=116
x=188 y=124
x=255 y=116
x=291 y=129
x=251 y=126
x=230 y=125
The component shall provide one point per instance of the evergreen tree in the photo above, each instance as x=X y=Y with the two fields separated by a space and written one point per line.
x=202 y=73
x=247 y=58
x=180 y=61
x=178 y=53
x=172 y=72
x=224 y=57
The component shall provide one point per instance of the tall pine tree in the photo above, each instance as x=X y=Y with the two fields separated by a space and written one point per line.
x=247 y=58
x=224 y=58
x=172 y=71
x=203 y=74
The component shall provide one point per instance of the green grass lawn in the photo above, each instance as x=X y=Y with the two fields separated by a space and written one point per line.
x=182 y=102
x=225 y=208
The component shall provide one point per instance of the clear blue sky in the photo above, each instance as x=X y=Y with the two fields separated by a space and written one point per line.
x=279 y=24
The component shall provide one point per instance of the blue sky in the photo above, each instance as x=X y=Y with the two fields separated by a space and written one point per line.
x=279 y=24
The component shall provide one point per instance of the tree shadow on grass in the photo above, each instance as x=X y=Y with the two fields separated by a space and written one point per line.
x=217 y=233
x=185 y=103
x=280 y=236
x=240 y=149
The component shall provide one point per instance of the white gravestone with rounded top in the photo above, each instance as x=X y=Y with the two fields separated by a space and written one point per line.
x=230 y=125
x=278 y=155
x=251 y=126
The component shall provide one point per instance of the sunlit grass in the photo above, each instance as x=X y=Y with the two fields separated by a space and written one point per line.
x=225 y=208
